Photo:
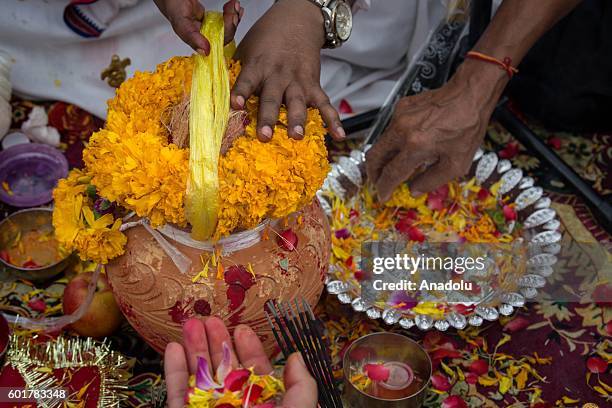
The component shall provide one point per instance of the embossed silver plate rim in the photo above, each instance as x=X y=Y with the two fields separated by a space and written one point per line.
x=542 y=228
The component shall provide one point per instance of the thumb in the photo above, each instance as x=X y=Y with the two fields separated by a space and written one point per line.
x=301 y=388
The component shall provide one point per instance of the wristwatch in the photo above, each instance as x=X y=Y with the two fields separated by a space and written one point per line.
x=338 y=21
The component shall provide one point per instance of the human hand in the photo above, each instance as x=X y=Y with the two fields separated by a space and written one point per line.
x=205 y=339
x=281 y=62
x=442 y=129
x=186 y=18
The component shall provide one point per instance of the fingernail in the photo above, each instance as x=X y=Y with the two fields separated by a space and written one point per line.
x=235 y=19
x=266 y=132
x=240 y=101
x=201 y=51
x=340 y=132
x=241 y=13
x=237 y=6
x=299 y=130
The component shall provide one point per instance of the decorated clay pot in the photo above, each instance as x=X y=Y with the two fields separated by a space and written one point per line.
x=287 y=260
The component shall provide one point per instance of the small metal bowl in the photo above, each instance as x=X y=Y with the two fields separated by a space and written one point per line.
x=23 y=221
x=410 y=367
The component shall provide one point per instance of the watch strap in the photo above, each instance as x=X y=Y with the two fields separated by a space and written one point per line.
x=321 y=3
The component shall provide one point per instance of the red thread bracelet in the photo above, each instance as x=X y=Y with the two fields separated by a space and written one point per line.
x=506 y=64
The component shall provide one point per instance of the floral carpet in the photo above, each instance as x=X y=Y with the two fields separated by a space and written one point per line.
x=547 y=354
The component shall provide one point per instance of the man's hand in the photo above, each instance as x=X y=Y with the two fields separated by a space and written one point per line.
x=443 y=128
x=281 y=62
x=206 y=340
x=186 y=18
x=438 y=130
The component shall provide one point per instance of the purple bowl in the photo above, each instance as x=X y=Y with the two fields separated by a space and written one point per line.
x=31 y=171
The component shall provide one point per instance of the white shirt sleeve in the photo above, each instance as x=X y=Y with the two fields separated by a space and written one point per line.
x=361 y=5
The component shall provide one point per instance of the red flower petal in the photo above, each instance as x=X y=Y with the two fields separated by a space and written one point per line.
x=609 y=328
x=254 y=394
x=349 y=261
x=235 y=379
x=440 y=382
x=377 y=372
x=483 y=194
x=471 y=378
x=597 y=365
x=238 y=275
x=445 y=353
x=509 y=151
x=454 y=401
x=415 y=234
x=463 y=309
x=509 y=213
x=359 y=275
x=37 y=305
x=479 y=367
x=287 y=240
x=516 y=324
x=344 y=107
x=555 y=142
x=235 y=295
x=435 y=203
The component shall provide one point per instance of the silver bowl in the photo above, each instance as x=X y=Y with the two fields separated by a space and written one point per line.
x=27 y=220
x=540 y=230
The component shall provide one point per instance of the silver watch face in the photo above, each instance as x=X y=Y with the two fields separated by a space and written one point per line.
x=343 y=21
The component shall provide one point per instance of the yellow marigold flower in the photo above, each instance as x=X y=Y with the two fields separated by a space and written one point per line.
x=75 y=225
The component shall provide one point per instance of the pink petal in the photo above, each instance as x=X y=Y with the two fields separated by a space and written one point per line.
x=345 y=107
x=440 y=382
x=377 y=372
x=204 y=380
x=435 y=203
x=226 y=363
x=454 y=401
x=509 y=213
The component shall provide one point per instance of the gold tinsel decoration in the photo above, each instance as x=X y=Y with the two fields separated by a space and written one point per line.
x=35 y=361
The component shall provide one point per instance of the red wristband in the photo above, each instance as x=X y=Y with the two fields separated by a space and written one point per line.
x=506 y=64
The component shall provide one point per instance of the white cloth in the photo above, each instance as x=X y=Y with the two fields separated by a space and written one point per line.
x=52 y=62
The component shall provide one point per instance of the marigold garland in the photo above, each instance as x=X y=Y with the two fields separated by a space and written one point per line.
x=132 y=163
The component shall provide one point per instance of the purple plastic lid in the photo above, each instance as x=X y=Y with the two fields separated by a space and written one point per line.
x=31 y=171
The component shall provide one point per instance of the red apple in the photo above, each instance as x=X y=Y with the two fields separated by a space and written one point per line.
x=102 y=317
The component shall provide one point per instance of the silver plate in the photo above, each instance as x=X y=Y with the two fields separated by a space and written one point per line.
x=541 y=228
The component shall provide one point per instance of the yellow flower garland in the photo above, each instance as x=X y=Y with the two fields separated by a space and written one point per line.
x=131 y=162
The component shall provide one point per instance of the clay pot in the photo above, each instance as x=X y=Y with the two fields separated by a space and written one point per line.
x=156 y=298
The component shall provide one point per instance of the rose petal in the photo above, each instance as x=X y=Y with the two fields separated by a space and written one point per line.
x=235 y=379
x=377 y=372
x=440 y=382
x=597 y=365
x=252 y=393
x=454 y=401
x=287 y=240
x=479 y=367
